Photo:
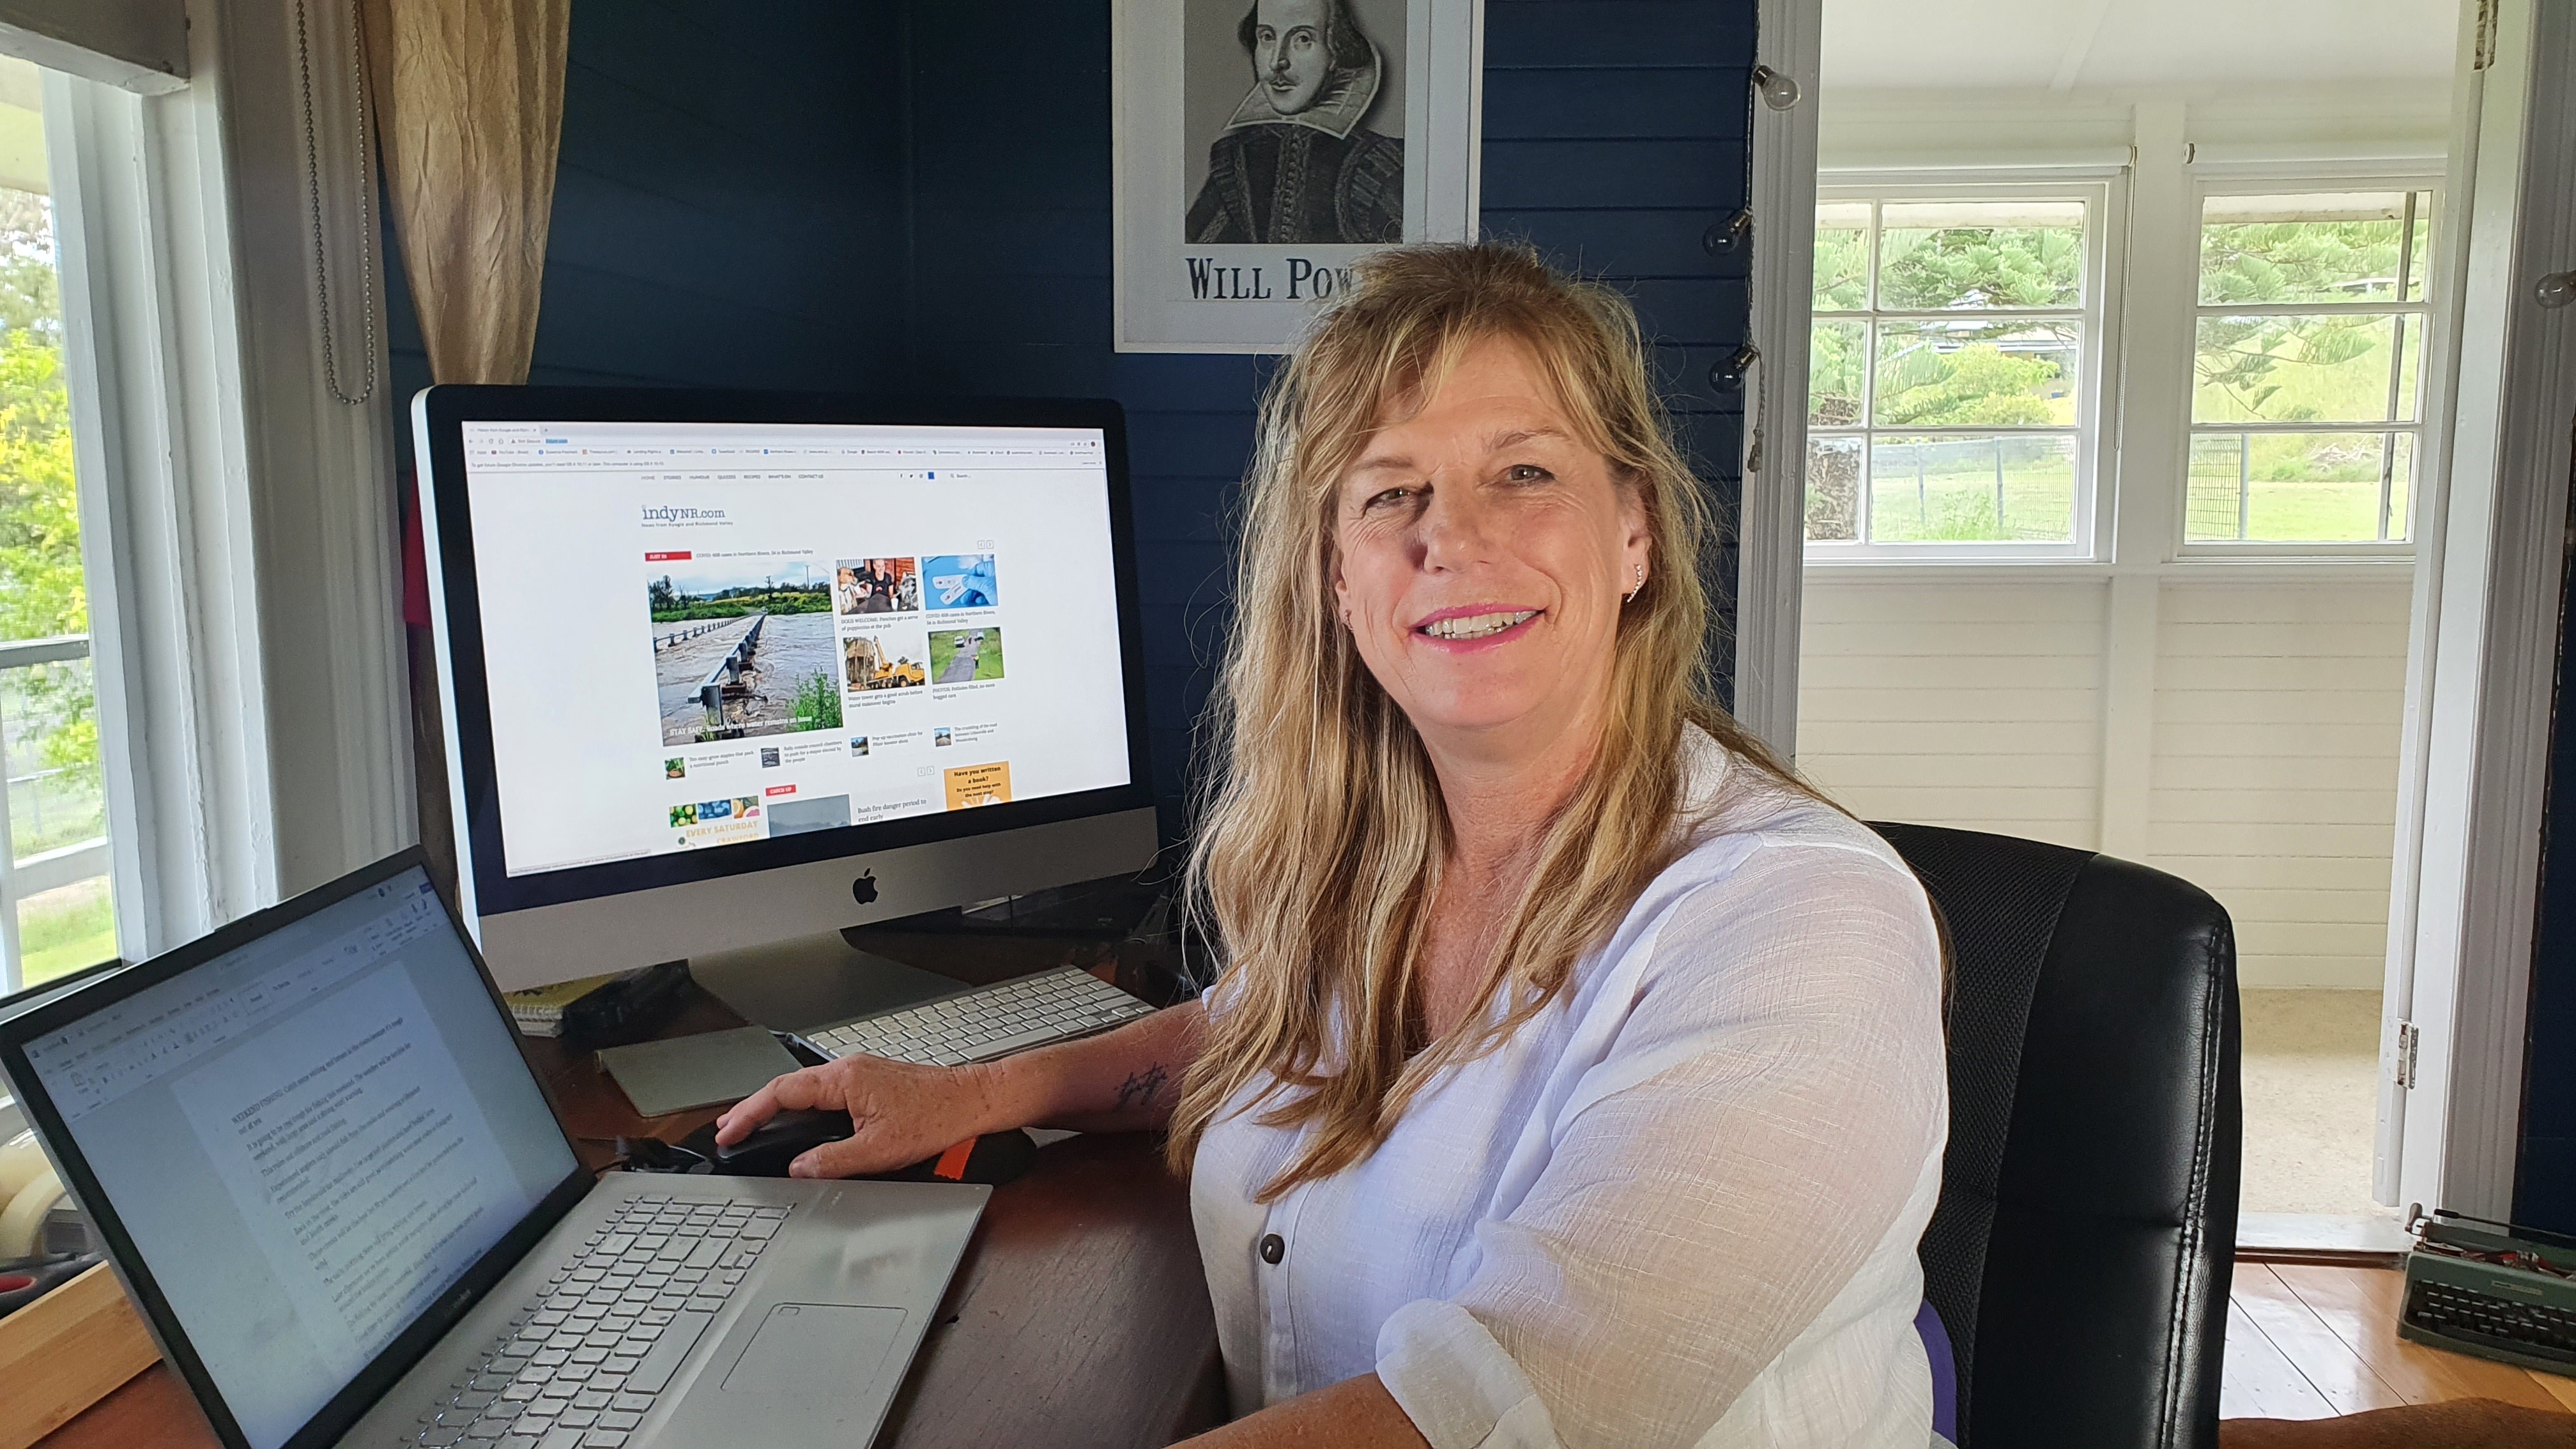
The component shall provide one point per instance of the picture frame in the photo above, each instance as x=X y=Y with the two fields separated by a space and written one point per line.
x=1261 y=147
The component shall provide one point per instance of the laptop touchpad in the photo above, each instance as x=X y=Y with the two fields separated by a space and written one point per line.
x=822 y=1350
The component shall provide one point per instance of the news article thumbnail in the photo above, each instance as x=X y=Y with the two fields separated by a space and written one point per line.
x=962 y=581
x=883 y=661
x=742 y=645
x=862 y=586
x=796 y=817
x=963 y=656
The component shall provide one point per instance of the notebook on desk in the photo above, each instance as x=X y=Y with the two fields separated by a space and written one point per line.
x=342 y=1201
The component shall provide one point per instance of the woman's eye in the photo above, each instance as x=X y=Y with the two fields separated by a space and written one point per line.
x=1527 y=473
x=1387 y=499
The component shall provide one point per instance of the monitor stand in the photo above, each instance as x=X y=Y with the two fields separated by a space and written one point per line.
x=812 y=981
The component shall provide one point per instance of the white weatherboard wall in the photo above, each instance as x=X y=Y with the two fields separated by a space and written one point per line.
x=2275 y=777
x=1979 y=704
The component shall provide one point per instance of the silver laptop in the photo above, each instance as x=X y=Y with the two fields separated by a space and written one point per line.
x=348 y=1213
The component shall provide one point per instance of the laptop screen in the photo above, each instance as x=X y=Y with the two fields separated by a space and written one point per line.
x=309 y=1138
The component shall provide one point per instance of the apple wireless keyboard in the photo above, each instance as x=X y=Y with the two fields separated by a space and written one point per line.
x=985 y=1022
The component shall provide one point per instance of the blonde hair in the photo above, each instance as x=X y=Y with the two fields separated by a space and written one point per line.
x=1322 y=836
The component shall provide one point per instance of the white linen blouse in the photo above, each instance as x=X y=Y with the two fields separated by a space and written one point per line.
x=1679 y=1206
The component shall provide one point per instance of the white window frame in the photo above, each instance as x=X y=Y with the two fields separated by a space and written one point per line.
x=2104 y=193
x=238 y=522
x=2287 y=179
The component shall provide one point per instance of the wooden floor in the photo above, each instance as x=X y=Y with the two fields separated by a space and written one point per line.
x=2311 y=1342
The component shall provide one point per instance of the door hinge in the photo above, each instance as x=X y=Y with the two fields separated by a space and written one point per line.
x=2409 y=1040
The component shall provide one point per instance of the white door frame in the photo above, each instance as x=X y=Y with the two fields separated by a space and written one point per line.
x=2486 y=628
x=1771 y=533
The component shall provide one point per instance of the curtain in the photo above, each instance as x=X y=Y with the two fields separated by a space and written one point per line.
x=469 y=109
x=469 y=113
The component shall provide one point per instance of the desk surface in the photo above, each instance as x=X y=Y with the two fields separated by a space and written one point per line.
x=1079 y=1316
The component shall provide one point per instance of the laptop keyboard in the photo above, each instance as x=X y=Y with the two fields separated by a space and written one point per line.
x=585 y=1359
x=988 y=1022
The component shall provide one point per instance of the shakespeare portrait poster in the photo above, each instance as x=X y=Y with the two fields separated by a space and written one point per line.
x=1263 y=146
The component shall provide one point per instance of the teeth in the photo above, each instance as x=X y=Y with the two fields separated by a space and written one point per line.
x=1477 y=626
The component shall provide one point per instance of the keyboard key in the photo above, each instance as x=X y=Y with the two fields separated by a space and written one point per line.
x=654 y=1374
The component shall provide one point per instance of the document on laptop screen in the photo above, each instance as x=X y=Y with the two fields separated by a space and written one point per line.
x=309 y=1138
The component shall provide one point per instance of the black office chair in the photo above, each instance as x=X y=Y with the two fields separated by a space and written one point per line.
x=2081 y=1252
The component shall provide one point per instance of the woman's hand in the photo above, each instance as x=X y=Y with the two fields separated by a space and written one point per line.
x=1120 y=1081
x=899 y=1113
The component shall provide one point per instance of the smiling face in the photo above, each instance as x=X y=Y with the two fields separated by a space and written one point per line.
x=1481 y=552
x=1290 y=57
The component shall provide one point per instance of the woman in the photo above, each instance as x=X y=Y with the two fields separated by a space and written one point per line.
x=1576 y=1076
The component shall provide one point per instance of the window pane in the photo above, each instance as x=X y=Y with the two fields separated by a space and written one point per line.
x=1977 y=374
x=1943 y=254
x=2297 y=487
x=2322 y=247
x=2312 y=369
x=2015 y=489
x=1842 y=256
x=53 y=847
x=1833 y=489
x=1834 y=363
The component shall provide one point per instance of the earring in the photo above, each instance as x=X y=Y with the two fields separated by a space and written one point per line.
x=1641 y=585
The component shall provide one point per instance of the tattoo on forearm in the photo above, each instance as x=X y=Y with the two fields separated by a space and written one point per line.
x=1139 y=1088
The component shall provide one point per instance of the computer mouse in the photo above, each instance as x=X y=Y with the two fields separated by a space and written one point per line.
x=779 y=1141
x=992 y=1159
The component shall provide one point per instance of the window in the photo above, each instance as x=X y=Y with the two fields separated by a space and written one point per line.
x=55 y=906
x=2306 y=413
x=1953 y=366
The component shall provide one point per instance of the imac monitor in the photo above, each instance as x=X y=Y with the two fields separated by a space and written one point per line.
x=728 y=669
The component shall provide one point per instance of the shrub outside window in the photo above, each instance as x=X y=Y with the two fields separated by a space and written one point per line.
x=2308 y=347
x=1953 y=363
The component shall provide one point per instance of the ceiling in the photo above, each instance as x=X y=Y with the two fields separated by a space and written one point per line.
x=2067 y=45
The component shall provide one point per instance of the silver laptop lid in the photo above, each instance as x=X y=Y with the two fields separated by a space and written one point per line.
x=310 y=1142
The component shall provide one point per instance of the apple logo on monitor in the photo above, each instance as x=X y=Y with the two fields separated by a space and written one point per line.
x=864 y=889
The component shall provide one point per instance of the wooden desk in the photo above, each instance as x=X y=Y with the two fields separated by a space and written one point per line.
x=1079 y=1316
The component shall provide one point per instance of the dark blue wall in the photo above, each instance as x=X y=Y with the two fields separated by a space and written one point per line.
x=915 y=195
x=2545 y=1172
